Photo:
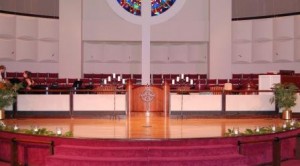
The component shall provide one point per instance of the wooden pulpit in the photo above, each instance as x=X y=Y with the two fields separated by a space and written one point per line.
x=153 y=98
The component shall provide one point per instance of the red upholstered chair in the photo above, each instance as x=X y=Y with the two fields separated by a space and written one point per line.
x=157 y=76
x=166 y=76
x=203 y=76
x=40 y=81
x=237 y=76
x=71 y=81
x=173 y=76
x=96 y=75
x=53 y=75
x=222 y=81
x=211 y=81
x=11 y=74
x=247 y=76
x=193 y=76
x=41 y=75
x=126 y=76
x=88 y=75
x=137 y=76
x=157 y=81
x=61 y=81
x=19 y=75
x=34 y=75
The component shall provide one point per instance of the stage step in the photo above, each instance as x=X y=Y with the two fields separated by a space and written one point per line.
x=150 y=155
x=226 y=160
x=152 y=151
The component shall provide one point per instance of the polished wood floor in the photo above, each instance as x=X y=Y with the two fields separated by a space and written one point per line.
x=139 y=126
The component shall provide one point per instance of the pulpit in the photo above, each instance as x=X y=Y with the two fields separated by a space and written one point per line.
x=143 y=98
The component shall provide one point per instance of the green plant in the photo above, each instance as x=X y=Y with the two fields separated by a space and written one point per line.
x=8 y=92
x=284 y=95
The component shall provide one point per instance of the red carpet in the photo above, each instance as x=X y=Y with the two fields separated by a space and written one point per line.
x=206 y=155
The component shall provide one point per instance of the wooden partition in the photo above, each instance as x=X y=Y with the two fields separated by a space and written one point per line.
x=160 y=97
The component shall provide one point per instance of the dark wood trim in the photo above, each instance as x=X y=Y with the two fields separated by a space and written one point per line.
x=267 y=16
x=27 y=14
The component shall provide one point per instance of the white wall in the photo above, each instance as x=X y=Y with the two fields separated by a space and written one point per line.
x=220 y=39
x=265 y=45
x=70 y=37
x=112 y=44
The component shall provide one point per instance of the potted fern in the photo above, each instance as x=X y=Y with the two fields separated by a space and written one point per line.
x=8 y=92
x=285 y=97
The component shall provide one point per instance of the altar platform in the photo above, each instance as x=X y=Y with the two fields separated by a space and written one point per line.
x=139 y=126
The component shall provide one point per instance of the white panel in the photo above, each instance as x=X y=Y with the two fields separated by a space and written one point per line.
x=297 y=26
x=296 y=108
x=7 y=49
x=242 y=31
x=262 y=52
x=159 y=53
x=191 y=102
x=266 y=82
x=39 y=103
x=48 y=29
x=297 y=49
x=48 y=51
x=284 y=50
x=284 y=27
x=178 y=52
x=27 y=27
x=263 y=29
x=135 y=53
x=198 y=52
x=241 y=52
x=114 y=52
x=8 y=26
x=249 y=103
x=93 y=52
x=26 y=50
x=96 y=103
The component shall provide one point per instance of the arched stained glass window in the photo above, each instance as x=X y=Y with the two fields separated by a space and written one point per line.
x=157 y=6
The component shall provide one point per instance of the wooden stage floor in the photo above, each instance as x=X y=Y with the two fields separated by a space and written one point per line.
x=139 y=126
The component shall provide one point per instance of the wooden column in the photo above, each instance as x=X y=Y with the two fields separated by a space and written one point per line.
x=166 y=88
x=129 y=87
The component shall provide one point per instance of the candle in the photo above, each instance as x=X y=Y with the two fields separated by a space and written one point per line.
x=236 y=131
x=273 y=128
x=284 y=126
x=123 y=81
x=104 y=81
x=109 y=78
x=173 y=81
x=114 y=75
x=119 y=78
x=187 y=79
x=177 y=79
x=257 y=129
x=192 y=82
x=182 y=76
x=16 y=127
x=58 y=131
x=35 y=129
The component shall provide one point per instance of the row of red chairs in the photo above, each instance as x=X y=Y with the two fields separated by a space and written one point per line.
x=33 y=75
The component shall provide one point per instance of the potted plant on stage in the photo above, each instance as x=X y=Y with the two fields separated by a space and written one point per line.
x=8 y=92
x=285 y=97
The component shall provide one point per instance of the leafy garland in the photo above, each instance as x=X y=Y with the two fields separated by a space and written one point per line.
x=291 y=125
x=33 y=131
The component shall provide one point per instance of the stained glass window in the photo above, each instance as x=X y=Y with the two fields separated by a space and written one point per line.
x=157 y=6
